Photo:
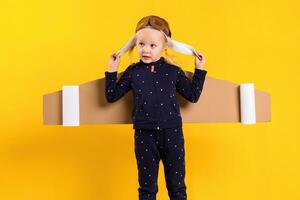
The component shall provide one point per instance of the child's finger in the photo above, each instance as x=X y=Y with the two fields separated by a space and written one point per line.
x=118 y=53
x=114 y=56
x=197 y=55
x=200 y=57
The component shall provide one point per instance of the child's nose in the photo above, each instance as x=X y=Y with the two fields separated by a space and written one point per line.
x=146 y=49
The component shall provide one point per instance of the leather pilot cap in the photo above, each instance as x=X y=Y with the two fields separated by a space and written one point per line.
x=155 y=22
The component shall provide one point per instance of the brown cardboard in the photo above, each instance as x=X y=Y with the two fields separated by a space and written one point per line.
x=219 y=102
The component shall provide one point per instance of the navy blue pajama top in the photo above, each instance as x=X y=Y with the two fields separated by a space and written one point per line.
x=154 y=93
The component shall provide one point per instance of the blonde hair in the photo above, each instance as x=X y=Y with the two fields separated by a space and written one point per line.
x=169 y=58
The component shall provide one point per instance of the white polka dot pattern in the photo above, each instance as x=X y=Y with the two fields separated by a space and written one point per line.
x=166 y=145
x=155 y=92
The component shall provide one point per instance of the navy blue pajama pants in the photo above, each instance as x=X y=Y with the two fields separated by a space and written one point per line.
x=167 y=145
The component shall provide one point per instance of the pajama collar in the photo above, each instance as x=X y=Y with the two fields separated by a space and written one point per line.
x=155 y=63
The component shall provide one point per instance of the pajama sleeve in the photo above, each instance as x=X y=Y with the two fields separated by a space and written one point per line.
x=115 y=89
x=190 y=89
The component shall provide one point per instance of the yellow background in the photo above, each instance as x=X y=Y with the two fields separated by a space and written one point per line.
x=47 y=44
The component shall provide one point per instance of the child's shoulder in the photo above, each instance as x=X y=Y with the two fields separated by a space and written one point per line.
x=173 y=66
x=131 y=66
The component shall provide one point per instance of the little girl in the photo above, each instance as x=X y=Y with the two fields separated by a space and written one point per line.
x=156 y=117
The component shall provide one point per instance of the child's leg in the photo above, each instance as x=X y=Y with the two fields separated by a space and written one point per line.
x=174 y=163
x=148 y=157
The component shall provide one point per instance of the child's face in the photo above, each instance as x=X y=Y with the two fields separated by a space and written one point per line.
x=150 y=44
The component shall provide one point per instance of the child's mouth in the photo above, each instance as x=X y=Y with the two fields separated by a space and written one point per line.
x=146 y=57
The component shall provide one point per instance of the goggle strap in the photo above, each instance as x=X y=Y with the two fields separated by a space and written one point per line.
x=173 y=44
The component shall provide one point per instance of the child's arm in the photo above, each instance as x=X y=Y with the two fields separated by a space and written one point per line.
x=115 y=89
x=191 y=90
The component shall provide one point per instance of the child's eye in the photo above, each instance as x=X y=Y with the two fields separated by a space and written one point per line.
x=141 y=44
x=153 y=45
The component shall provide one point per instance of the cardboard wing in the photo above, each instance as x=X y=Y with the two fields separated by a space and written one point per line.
x=220 y=101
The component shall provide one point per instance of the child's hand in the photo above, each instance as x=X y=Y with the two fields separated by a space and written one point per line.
x=114 y=61
x=199 y=63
